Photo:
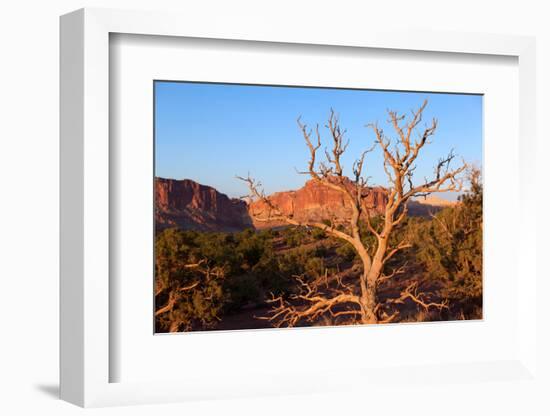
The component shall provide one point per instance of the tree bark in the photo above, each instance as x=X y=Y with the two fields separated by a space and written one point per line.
x=368 y=302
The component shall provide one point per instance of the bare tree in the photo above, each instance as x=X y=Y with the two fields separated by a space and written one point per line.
x=359 y=301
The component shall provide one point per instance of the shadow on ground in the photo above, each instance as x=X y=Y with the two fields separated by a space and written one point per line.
x=51 y=390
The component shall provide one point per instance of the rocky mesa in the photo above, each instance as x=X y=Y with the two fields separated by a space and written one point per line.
x=189 y=205
x=316 y=202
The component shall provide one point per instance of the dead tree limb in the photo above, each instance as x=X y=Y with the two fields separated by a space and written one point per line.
x=399 y=164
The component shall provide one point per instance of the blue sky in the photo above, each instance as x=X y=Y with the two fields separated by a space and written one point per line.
x=211 y=132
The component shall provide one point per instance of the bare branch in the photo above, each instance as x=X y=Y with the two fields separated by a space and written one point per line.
x=397 y=271
x=338 y=147
x=402 y=245
x=312 y=148
x=412 y=292
x=313 y=303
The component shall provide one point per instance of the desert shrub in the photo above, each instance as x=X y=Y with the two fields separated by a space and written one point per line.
x=294 y=236
x=321 y=251
x=189 y=293
x=346 y=252
x=250 y=250
x=172 y=251
x=251 y=269
x=292 y=262
x=219 y=249
x=318 y=234
x=314 y=267
x=204 y=303
x=450 y=248
x=268 y=233
x=268 y=271
x=242 y=290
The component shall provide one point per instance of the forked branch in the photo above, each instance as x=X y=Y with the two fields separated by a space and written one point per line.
x=313 y=300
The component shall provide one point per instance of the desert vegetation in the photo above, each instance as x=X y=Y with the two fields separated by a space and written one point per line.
x=374 y=266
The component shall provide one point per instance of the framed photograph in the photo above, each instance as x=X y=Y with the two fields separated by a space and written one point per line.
x=358 y=241
x=286 y=212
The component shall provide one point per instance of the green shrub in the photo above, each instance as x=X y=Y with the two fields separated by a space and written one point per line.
x=242 y=290
x=346 y=252
x=294 y=236
x=450 y=249
x=318 y=234
x=321 y=251
x=315 y=267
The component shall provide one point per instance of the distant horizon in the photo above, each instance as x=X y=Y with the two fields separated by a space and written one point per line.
x=208 y=133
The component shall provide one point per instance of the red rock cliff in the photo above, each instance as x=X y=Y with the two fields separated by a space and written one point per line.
x=189 y=205
x=316 y=202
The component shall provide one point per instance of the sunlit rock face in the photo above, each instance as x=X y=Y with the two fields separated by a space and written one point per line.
x=317 y=202
x=189 y=205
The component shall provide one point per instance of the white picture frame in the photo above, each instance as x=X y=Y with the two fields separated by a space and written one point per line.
x=85 y=213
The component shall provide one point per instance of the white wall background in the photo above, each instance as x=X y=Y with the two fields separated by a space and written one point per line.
x=29 y=189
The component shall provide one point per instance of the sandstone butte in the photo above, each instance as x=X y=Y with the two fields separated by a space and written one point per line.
x=317 y=202
x=189 y=205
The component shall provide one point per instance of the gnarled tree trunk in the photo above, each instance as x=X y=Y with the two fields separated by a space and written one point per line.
x=399 y=165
